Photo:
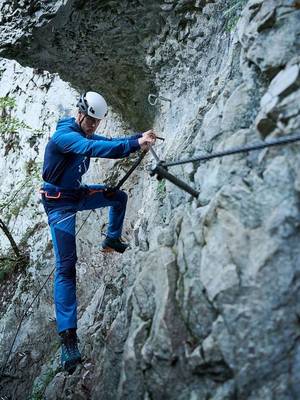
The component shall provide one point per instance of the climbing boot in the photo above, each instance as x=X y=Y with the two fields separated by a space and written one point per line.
x=70 y=355
x=109 y=245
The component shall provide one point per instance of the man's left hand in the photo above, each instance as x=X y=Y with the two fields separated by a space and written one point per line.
x=148 y=139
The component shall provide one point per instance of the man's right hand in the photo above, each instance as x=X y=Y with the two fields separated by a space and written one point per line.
x=148 y=138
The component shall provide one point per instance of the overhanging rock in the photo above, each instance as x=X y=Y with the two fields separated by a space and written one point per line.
x=99 y=45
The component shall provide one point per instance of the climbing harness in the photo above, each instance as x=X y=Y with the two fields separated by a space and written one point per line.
x=49 y=196
x=160 y=169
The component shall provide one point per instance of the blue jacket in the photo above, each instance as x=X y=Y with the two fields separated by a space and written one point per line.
x=68 y=153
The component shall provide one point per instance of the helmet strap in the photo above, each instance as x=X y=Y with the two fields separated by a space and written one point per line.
x=81 y=121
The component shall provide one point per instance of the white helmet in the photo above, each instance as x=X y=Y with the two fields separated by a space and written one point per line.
x=93 y=104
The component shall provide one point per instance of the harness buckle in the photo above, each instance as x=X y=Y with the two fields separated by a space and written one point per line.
x=48 y=196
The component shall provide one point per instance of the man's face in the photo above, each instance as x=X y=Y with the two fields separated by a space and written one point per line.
x=88 y=124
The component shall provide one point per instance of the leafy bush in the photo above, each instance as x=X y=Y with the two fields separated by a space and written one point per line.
x=7 y=102
x=9 y=264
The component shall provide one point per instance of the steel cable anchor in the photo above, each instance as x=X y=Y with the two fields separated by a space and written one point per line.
x=153 y=99
x=161 y=172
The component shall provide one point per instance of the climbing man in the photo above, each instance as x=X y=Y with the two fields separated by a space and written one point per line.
x=67 y=158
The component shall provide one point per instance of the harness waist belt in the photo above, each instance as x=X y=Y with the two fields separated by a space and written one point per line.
x=57 y=194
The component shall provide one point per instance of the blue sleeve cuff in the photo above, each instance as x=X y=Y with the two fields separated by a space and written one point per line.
x=134 y=145
x=137 y=136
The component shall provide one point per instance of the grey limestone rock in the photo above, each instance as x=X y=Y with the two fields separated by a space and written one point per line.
x=280 y=102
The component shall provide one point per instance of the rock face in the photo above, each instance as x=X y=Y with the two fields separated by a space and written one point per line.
x=205 y=304
x=96 y=44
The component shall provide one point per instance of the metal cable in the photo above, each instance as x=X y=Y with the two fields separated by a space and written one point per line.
x=237 y=150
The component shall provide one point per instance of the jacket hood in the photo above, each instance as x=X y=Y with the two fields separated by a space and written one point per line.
x=68 y=123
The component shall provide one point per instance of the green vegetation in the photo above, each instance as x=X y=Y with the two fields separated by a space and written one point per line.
x=7 y=102
x=9 y=264
x=30 y=232
x=16 y=259
x=39 y=389
x=33 y=169
x=36 y=134
x=233 y=13
x=9 y=126
x=19 y=205
x=13 y=195
x=161 y=189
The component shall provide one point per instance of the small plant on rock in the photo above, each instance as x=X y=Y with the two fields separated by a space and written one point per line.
x=233 y=13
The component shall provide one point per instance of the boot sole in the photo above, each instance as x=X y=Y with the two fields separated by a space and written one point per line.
x=111 y=250
x=107 y=250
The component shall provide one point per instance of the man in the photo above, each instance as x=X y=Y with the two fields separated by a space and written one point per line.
x=67 y=158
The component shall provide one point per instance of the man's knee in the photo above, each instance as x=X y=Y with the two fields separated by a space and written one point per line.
x=123 y=197
x=67 y=268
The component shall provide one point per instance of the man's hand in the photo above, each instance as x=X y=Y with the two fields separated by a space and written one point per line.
x=148 y=138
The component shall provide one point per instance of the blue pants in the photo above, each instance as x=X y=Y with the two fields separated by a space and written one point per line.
x=61 y=218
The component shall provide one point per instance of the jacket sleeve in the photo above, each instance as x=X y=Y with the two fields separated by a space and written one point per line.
x=73 y=142
x=98 y=137
x=137 y=136
x=132 y=137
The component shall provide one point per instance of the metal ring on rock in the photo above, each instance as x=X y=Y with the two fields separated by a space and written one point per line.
x=107 y=278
